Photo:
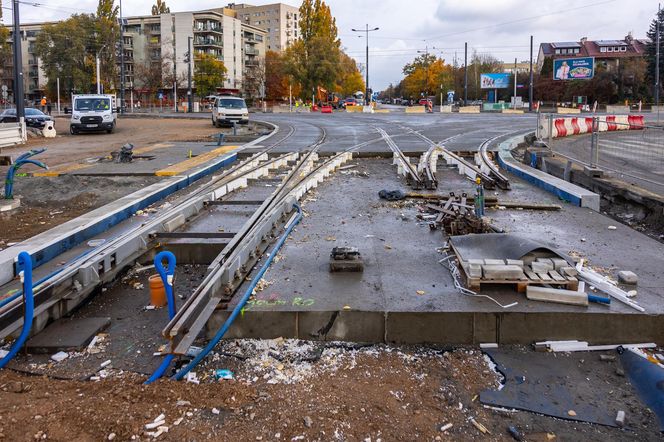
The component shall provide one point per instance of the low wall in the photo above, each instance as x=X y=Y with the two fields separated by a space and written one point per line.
x=469 y=110
x=614 y=109
x=567 y=110
x=415 y=110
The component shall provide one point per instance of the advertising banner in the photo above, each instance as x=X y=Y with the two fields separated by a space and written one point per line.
x=494 y=81
x=574 y=68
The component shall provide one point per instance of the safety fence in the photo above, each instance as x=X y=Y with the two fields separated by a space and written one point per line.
x=623 y=146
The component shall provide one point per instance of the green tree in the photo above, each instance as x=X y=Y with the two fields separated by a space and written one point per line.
x=313 y=60
x=160 y=8
x=5 y=51
x=651 y=48
x=209 y=74
x=67 y=50
x=421 y=61
x=106 y=36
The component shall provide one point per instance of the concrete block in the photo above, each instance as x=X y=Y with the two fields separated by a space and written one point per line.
x=8 y=205
x=541 y=267
x=474 y=270
x=515 y=262
x=476 y=261
x=495 y=262
x=628 y=277
x=620 y=418
x=556 y=295
x=559 y=263
x=504 y=271
x=568 y=271
x=67 y=335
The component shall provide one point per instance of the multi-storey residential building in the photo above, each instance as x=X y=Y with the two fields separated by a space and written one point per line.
x=278 y=20
x=165 y=39
x=607 y=53
x=34 y=78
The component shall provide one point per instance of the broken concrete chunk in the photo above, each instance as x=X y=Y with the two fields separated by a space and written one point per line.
x=628 y=277
x=541 y=266
x=502 y=272
x=620 y=418
x=494 y=261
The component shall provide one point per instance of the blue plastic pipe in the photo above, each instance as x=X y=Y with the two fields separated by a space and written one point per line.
x=20 y=161
x=167 y=278
x=240 y=305
x=25 y=266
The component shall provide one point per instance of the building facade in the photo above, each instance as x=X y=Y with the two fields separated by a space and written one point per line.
x=34 y=77
x=279 y=21
x=164 y=40
x=607 y=53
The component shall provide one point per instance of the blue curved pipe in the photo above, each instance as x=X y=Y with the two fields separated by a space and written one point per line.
x=167 y=278
x=240 y=305
x=24 y=265
x=20 y=161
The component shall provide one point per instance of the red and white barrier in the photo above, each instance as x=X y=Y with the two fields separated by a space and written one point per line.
x=567 y=126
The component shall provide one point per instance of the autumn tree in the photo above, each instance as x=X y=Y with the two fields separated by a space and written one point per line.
x=276 y=80
x=313 y=60
x=426 y=75
x=160 y=8
x=5 y=49
x=209 y=74
x=350 y=79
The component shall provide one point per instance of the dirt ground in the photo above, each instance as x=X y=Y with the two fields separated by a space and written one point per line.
x=287 y=390
x=141 y=132
x=50 y=201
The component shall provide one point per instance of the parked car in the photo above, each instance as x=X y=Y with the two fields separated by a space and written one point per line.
x=33 y=117
x=350 y=102
x=228 y=110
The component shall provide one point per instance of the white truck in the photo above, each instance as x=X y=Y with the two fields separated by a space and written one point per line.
x=227 y=110
x=93 y=113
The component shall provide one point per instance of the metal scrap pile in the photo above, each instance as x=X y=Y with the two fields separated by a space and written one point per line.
x=455 y=215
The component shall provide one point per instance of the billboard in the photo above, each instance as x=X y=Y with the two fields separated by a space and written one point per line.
x=574 y=68
x=494 y=81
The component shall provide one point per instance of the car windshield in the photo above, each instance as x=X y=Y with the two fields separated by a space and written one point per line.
x=231 y=103
x=98 y=104
x=33 y=112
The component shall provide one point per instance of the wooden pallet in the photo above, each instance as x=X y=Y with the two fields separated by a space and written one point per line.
x=530 y=278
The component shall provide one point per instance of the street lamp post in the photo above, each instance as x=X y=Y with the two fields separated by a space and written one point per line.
x=18 y=67
x=122 y=62
x=366 y=30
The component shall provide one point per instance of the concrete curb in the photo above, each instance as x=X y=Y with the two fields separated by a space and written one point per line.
x=562 y=189
x=53 y=242
x=48 y=245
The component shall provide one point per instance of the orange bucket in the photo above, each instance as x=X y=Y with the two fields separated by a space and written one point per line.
x=157 y=291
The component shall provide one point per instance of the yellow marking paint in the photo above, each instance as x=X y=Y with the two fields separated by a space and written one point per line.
x=179 y=168
x=60 y=170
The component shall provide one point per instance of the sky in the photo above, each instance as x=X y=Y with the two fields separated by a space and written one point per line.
x=441 y=27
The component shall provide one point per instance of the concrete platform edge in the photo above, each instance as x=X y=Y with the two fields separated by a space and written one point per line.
x=566 y=191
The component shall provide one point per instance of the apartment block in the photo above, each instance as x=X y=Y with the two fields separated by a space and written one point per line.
x=279 y=21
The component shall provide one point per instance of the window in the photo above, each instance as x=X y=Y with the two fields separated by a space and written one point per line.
x=602 y=49
x=558 y=51
x=609 y=49
x=623 y=49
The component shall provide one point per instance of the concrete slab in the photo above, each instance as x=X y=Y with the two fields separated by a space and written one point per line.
x=67 y=335
x=412 y=296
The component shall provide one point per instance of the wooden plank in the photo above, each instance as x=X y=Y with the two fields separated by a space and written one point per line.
x=531 y=275
x=545 y=277
x=556 y=276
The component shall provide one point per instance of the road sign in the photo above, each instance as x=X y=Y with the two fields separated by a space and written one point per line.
x=161 y=95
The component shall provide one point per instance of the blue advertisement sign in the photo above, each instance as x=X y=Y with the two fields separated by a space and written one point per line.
x=494 y=81
x=574 y=68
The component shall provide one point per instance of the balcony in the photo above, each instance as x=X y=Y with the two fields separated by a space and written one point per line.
x=33 y=62
x=210 y=26
x=250 y=51
x=33 y=73
x=214 y=42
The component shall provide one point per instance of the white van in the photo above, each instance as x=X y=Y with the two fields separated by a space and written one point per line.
x=227 y=109
x=92 y=113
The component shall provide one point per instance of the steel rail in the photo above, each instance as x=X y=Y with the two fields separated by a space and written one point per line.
x=227 y=269
x=403 y=163
x=489 y=167
x=78 y=278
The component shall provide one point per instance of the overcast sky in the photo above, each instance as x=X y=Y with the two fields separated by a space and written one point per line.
x=499 y=27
